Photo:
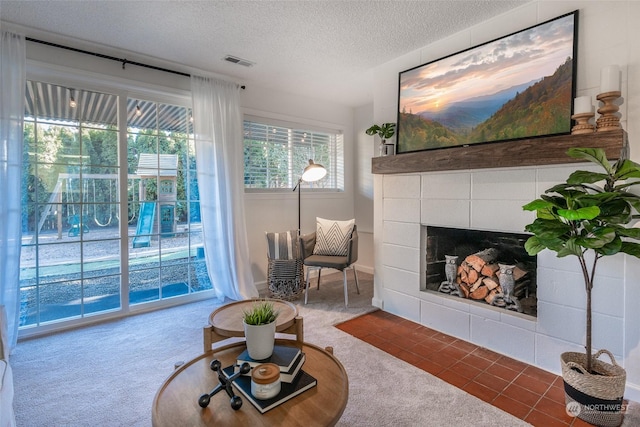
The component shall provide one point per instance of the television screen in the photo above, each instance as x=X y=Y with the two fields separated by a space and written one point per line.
x=519 y=86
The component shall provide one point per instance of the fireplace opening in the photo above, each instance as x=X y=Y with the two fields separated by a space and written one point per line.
x=483 y=267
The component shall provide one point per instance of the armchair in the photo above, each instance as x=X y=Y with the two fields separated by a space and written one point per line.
x=338 y=262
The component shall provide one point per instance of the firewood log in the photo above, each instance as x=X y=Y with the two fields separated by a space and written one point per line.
x=489 y=270
x=480 y=259
x=462 y=276
x=491 y=282
x=475 y=285
x=480 y=293
x=491 y=296
x=519 y=273
x=472 y=276
x=464 y=288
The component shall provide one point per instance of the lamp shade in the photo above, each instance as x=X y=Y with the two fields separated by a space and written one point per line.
x=313 y=172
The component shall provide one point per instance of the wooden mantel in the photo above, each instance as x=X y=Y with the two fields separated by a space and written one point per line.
x=524 y=152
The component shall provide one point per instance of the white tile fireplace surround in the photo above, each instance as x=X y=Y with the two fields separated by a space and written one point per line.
x=492 y=199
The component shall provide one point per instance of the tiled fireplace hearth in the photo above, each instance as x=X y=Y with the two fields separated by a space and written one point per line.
x=406 y=205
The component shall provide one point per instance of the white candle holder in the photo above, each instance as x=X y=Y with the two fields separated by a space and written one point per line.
x=608 y=119
x=582 y=125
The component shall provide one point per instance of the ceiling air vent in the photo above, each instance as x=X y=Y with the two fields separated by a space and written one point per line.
x=239 y=61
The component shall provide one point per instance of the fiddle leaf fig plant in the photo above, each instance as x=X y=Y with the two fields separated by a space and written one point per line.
x=587 y=220
x=384 y=131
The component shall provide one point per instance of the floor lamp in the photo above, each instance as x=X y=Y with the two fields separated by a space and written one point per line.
x=313 y=172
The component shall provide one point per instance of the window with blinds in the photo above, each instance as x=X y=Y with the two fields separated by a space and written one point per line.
x=275 y=155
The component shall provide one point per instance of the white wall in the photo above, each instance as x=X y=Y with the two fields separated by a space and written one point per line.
x=607 y=35
x=363 y=185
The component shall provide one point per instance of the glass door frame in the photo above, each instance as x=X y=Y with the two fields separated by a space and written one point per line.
x=123 y=89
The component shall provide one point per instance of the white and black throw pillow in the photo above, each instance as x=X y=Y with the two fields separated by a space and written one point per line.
x=332 y=237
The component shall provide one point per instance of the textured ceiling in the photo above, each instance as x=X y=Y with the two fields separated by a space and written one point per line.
x=321 y=49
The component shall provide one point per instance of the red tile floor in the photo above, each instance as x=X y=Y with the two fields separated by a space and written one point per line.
x=529 y=393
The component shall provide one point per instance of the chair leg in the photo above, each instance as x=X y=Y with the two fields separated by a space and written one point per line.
x=306 y=285
x=346 y=293
x=355 y=274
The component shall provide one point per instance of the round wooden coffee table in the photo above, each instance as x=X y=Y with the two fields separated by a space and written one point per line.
x=226 y=321
x=176 y=402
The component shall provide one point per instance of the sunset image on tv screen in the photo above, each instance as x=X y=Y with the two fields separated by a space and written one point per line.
x=519 y=86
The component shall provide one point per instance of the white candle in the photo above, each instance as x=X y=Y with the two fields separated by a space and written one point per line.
x=582 y=104
x=610 y=79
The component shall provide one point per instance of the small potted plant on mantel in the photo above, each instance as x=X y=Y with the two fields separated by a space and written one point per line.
x=260 y=329
x=590 y=222
x=384 y=131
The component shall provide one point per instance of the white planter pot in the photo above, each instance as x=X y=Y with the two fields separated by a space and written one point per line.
x=260 y=340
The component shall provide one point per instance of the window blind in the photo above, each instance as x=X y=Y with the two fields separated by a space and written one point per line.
x=275 y=155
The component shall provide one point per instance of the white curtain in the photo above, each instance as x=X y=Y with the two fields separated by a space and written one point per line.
x=12 y=87
x=219 y=157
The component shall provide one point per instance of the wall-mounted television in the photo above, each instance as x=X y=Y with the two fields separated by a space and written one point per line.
x=515 y=87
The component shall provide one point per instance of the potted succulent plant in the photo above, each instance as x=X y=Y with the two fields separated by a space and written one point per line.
x=260 y=329
x=590 y=221
x=384 y=131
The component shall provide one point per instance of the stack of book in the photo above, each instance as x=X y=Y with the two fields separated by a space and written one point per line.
x=293 y=379
x=289 y=359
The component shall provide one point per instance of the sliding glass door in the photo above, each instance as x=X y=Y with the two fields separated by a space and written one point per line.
x=101 y=236
x=166 y=253
x=71 y=243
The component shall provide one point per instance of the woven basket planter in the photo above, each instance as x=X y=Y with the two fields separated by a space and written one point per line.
x=600 y=395
x=285 y=278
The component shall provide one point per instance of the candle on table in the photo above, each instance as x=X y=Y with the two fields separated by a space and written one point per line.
x=582 y=104
x=610 y=79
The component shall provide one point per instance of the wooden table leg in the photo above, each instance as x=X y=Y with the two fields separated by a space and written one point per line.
x=209 y=337
x=299 y=325
x=206 y=337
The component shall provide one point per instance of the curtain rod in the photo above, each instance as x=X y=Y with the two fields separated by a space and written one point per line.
x=124 y=61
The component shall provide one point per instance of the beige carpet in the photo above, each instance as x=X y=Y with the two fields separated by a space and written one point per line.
x=108 y=374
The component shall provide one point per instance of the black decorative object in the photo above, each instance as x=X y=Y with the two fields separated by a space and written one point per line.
x=225 y=384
